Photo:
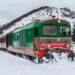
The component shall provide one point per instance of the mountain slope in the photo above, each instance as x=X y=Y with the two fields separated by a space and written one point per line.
x=40 y=13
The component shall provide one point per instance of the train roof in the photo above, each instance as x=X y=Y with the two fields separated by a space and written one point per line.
x=54 y=21
x=29 y=25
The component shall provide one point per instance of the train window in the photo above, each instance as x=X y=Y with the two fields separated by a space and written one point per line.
x=16 y=35
x=65 y=31
x=49 y=30
x=36 y=31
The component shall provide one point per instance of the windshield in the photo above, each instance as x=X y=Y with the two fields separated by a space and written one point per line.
x=49 y=30
x=65 y=30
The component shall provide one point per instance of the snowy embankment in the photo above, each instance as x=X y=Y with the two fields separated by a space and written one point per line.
x=13 y=65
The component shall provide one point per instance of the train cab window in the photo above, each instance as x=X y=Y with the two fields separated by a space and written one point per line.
x=36 y=31
x=49 y=30
x=65 y=31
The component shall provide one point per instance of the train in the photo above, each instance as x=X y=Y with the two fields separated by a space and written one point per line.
x=54 y=34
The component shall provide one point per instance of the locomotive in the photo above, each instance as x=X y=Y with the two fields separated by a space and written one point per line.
x=54 y=34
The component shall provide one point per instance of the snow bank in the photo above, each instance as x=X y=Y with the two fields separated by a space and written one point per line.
x=12 y=65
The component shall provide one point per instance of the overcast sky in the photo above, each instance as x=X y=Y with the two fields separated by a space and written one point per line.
x=11 y=9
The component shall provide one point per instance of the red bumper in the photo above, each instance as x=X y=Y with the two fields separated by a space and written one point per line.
x=54 y=45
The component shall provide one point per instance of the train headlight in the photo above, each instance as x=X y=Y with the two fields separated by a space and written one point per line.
x=67 y=45
x=48 y=46
x=58 y=39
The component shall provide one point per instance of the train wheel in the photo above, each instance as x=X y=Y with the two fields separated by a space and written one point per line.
x=35 y=60
x=44 y=60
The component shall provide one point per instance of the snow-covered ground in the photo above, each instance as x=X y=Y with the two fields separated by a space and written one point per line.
x=13 y=65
